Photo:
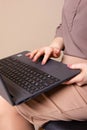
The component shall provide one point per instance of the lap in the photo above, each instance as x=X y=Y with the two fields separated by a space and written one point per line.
x=62 y=103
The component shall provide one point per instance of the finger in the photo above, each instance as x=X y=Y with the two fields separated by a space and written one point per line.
x=38 y=54
x=76 y=66
x=32 y=54
x=46 y=57
x=27 y=54
x=76 y=79
x=56 y=52
x=82 y=77
x=79 y=84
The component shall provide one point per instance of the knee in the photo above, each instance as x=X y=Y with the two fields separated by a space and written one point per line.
x=6 y=109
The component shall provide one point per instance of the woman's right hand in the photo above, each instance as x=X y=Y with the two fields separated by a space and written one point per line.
x=47 y=51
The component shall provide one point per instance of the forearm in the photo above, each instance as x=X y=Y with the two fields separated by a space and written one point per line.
x=58 y=43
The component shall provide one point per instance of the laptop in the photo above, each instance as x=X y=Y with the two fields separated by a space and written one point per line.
x=22 y=80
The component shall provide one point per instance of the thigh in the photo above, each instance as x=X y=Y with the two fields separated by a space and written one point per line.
x=79 y=114
x=6 y=108
x=55 y=105
x=3 y=102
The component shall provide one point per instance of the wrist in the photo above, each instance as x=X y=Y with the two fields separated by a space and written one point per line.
x=57 y=43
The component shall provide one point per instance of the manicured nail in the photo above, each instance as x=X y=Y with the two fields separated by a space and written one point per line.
x=69 y=65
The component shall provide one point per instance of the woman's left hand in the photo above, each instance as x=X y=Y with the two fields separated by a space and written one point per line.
x=81 y=78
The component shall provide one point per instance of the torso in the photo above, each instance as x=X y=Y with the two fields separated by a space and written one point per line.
x=75 y=28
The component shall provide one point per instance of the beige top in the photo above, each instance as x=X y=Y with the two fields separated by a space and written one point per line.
x=74 y=28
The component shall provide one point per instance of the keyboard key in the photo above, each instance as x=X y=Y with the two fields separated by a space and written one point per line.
x=25 y=76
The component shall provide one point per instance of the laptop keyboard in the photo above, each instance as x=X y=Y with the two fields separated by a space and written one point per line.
x=25 y=76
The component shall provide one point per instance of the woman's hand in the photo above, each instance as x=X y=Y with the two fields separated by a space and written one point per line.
x=52 y=50
x=81 y=78
x=47 y=51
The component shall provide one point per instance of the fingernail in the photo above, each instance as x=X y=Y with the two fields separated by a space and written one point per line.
x=69 y=65
x=79 y=84
x=42 y=63
x=33 y=60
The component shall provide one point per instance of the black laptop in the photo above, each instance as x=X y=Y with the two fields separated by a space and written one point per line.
x=21 y=79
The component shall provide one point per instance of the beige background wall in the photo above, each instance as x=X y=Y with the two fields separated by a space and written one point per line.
x=27 y=24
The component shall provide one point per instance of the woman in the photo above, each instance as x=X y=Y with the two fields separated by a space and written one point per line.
x=69 y=101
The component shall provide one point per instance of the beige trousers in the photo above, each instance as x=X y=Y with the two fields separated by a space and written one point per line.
x=65 y=102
